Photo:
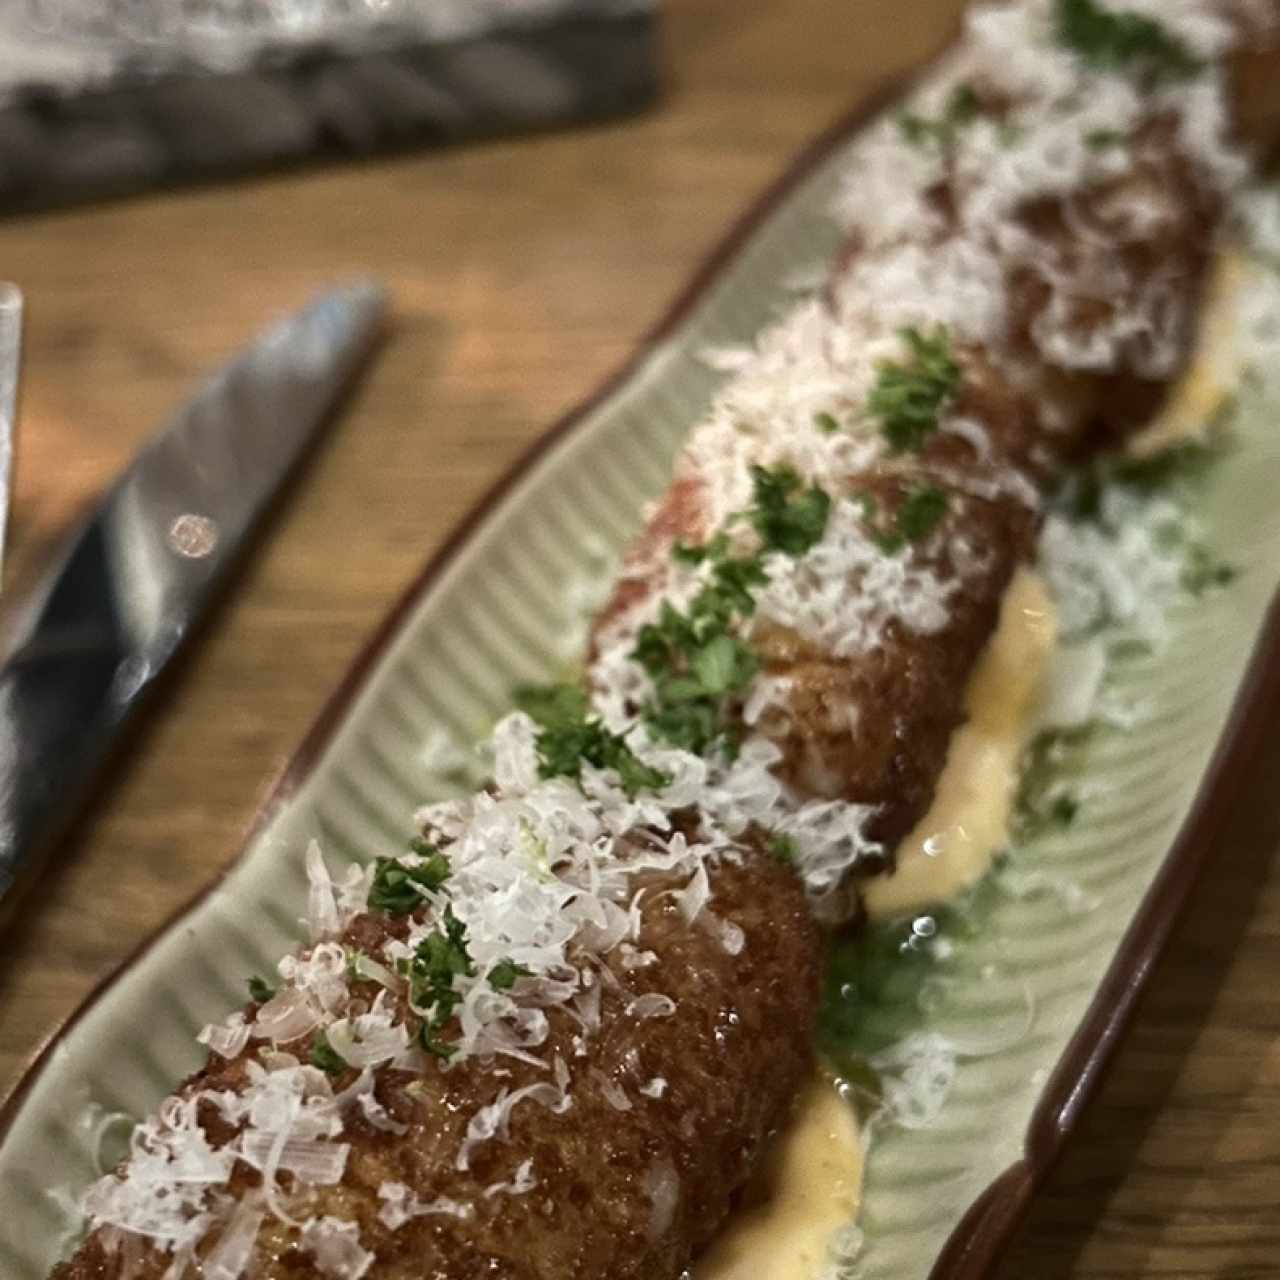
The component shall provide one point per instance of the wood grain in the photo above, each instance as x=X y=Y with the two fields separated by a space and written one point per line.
x=522 y=272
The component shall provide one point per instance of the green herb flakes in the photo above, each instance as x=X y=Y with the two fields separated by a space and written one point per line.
x=1044 y=803
x=909 y=396
x=722 y=665
x=326 y=1057
x=503 y=975
x=919 y=514
x=1120 y=40
x=787 y=517
x=962 y=108
x=782 y=849
x=1063 y=810
x=260 y=990
x=1079 y=494
x=696 y=661
x=552 y=705
x=826 y=423
x=399 y=889
x=1202 y=571
x=570 y=735
x=440 y=957
x=1102 y=139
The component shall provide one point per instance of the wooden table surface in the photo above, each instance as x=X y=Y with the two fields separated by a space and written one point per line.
x=522 y=272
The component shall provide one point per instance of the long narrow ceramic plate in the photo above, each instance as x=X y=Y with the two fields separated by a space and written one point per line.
x=1030 y=1004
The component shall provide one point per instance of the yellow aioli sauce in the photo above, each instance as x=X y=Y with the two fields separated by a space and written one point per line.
x=810 y=1184
x=807 y=1189
x=955 y=843
x=1210 y=378
x=952 y=846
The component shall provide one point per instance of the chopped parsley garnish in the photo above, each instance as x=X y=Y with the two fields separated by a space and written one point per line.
x=782 y=849
x=1202 y=571
x=440 y=956
x=326 y=1057
x=826 y=423
x=1120 y=40
x=921 y=512
x=569 y=735
x=919 y=515
x=399 y=889
x=695 y=660
x=787 y=517
x=1079 y=496
x=693 y=682
x=962 y=107
x=503 y=975
x=1063 y=810
x=553 y=705
x=1159 y=470
x=908 y=396
x=1044 y=804
x=260 y=990
x=1009 y=134
x=690 y=553
x=1101 y=139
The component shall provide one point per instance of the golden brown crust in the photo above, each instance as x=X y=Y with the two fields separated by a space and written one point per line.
x=874 y=727
x=732 y=1055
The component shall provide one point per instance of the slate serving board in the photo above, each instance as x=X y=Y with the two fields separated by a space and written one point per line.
x=109 y=121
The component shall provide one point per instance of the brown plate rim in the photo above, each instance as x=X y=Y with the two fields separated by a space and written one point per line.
x=987 y=1227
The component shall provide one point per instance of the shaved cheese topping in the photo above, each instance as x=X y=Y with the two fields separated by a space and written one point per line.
x=166 y=1192
x=522 y=1181
x=335 y=1246
x=399 y=1205
x=369 y=1039
x=322 y=905
x=374 y=1113
x=846 y=590
x=228 y=1038
x=493 y=1121
x=652 y=1005
x=1122 y=568
x=614 y=1094
x=229 y=1258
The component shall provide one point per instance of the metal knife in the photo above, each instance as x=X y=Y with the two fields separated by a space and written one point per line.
x=79 y=654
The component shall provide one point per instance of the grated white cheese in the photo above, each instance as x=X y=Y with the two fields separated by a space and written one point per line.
x=652 y=1005
x=491 y=1122
x=335 y=1246
x=845 y=591
x=370 y=1038
x=399 y=1205
x=323 y=919
x=165 y=1190
x=227 y=1038
x=229 y=1258
x=916 y=1076
x=1123 y=569
x=521 y=1182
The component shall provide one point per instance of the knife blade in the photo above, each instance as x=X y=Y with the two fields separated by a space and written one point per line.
x=81 y=652
x=10 y=356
